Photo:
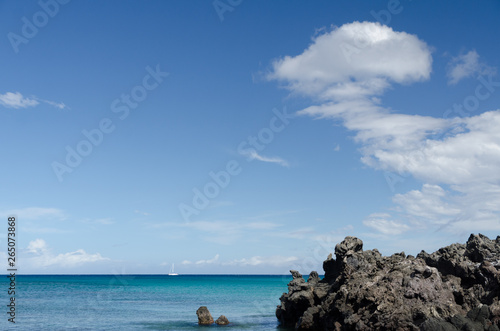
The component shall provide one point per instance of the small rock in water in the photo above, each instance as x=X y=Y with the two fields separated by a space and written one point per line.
x=222 y=320
x=204 y=316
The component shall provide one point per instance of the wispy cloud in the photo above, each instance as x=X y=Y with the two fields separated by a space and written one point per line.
x=464 y=66
x=382 y=223
x=253 y=155
x=16 y=100
x=59 y=105
x=39 y=255
x=37 y=246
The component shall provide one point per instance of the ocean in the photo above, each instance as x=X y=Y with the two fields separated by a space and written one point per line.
x=141 y=302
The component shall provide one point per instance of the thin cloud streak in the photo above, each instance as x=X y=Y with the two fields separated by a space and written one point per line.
x=16 y=100
x=253 y=155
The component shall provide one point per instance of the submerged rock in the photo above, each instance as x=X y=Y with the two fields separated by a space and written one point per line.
x=222 y=320
x=204 y=316
x=454 y=288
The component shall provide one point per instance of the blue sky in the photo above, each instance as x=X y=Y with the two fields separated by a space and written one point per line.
x=245 y=136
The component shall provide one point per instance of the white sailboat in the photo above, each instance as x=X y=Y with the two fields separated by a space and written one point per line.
x=172 y=272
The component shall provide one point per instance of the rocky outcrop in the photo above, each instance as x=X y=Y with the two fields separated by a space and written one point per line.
x=204 y=316
x=454 y=288
x=222 y=320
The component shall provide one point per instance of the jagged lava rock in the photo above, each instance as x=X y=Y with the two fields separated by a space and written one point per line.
x=204 y=316
x=454 y=288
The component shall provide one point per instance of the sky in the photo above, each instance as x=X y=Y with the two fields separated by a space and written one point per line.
x=244 y=137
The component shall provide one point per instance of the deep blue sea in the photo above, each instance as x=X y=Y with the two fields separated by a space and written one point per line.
x=141 y=302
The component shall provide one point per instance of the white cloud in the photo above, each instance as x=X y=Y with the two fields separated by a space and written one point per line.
x=429 y=203
x=354 y=59
x=469 y=155
x=475 y=209
x=16 y=100
x=464 y=66
x=37 y=246
x=39 y=255
x=377 y=129
x=458 y=160
x=467 y=161
x=253 y=155
x=186 y=262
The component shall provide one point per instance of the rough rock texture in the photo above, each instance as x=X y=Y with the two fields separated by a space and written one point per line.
x=455 y=288
x=222 y=320
x=204 y=316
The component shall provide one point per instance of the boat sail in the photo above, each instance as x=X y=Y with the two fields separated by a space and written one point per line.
x=172 y=272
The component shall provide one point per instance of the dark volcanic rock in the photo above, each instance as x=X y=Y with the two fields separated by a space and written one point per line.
x=222 y=320
x=313 y=277
x=454 y=288
x=204 y=316
x=349 y=244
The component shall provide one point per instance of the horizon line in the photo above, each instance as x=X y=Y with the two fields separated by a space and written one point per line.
x=187 y=274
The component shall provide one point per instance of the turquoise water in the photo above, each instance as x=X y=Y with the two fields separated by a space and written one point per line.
x=142 y=302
